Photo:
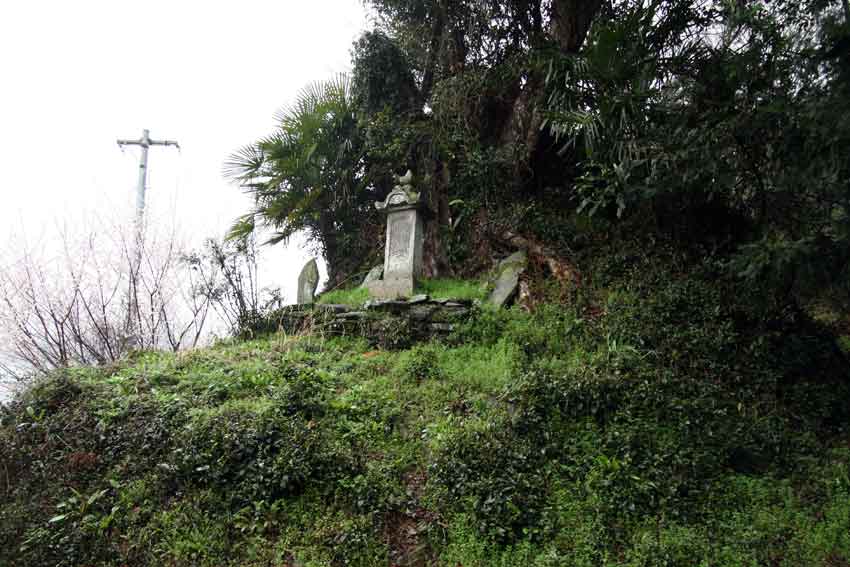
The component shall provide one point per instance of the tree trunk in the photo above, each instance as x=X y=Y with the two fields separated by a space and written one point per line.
x=522 y=129
x=433 y=54
x=571 y=21
x=435 y=261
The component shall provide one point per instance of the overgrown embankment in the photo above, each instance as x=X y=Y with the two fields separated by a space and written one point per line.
x=664 y=421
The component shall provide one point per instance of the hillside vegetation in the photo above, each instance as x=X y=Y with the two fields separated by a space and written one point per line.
x=663 y=420
x=671 y=388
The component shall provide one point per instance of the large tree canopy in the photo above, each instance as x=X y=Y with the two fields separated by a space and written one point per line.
x=721 y=124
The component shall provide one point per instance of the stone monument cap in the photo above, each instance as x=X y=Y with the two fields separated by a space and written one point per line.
x=402 y=196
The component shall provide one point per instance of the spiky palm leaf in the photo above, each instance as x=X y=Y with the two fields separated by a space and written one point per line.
x=306 y=168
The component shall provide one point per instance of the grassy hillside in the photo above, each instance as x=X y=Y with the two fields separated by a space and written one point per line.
x=662 y=421
x=437 y=288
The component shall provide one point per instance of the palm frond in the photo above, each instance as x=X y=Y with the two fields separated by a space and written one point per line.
x=244 y=164
x=301 y=172
x=242 y=228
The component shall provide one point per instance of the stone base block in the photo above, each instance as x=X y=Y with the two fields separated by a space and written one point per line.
x=391 y=289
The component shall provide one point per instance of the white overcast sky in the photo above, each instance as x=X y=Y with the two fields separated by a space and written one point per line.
x=75 y=76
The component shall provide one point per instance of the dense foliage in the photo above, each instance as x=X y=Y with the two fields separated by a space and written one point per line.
x=721 y=125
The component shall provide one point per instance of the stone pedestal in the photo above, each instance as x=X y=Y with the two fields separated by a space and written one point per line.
x=403 y=251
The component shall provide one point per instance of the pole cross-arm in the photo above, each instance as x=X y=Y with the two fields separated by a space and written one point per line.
x=164 y=143
x=146 y=142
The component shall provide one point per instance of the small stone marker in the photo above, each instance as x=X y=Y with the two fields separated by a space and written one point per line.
x=308 y=281
x=373 y=275
x=403 y=252
x=507 y=278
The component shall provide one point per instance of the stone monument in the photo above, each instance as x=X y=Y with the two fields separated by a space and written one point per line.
x=308 y=281
x=405 y=232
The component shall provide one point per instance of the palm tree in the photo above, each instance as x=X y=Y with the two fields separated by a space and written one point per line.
x=309 y=175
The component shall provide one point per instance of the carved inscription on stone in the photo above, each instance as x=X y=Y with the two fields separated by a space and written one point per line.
x=399 y=243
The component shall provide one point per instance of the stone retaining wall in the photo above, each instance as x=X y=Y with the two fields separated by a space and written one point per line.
x=385 y=323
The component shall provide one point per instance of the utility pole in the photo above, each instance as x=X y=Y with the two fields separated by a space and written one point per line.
x=134 y=316
x=145 y=142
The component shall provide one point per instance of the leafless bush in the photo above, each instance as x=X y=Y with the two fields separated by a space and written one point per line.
x=96 y=298
x=226 y=277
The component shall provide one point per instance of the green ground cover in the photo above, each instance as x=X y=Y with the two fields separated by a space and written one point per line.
x=664 y=418
x=652 y=433
x=437 y=288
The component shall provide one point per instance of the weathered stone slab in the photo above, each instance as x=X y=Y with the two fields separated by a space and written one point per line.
x=507 y=278
x=422 y=312
x=315 y=307
x=308 y=281
x=352 y=315
x=392 y=289
x=373 y=275
x=333 y=307
x=403 y=254
x=387 y=305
